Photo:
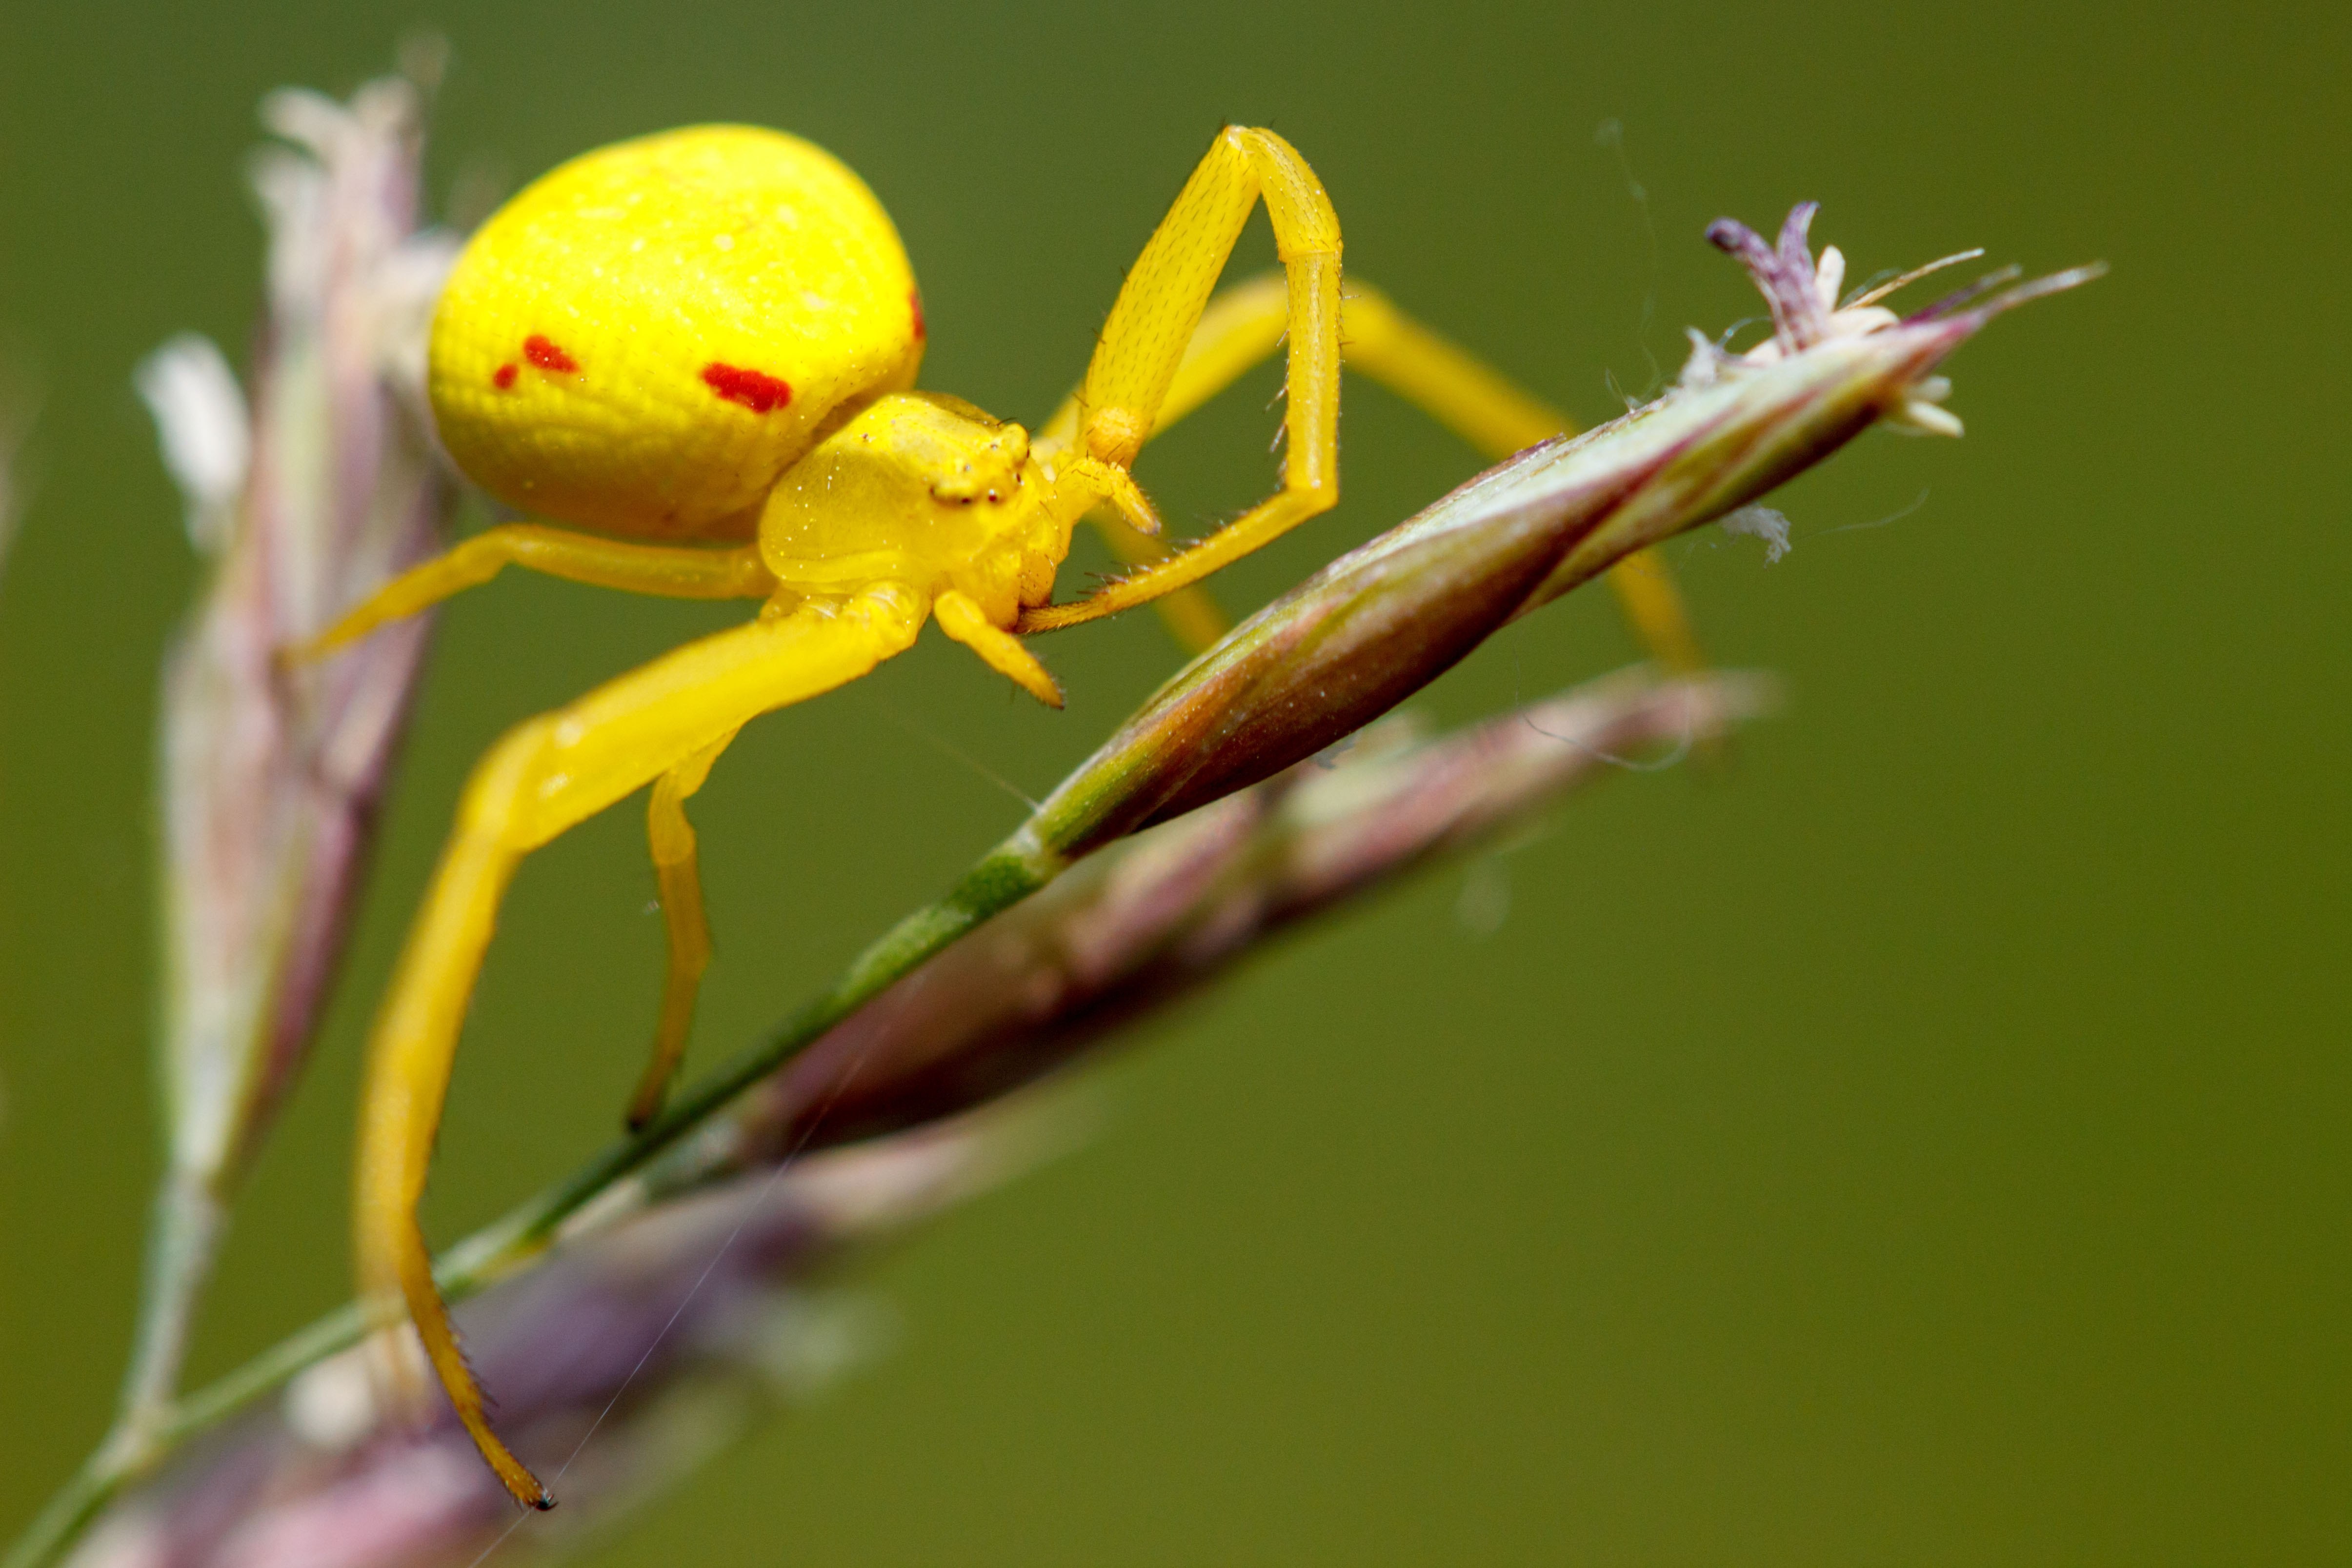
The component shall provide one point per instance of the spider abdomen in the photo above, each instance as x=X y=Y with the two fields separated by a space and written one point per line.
x=643 y=340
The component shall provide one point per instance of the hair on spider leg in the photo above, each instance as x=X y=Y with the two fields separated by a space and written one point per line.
x=1282 y=427
x=1210 y=524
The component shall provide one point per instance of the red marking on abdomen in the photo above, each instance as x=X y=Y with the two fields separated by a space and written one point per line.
x=503 y=377
x=914 y=302
x=546 y=355
x=753 y=389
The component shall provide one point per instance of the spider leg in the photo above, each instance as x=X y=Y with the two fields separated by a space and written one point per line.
x=545 y=775
x=668 y=571
x=679 y=873
x=1154 y=320
x=1243 y=326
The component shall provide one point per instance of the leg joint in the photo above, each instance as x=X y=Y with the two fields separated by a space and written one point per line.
x=502 y=781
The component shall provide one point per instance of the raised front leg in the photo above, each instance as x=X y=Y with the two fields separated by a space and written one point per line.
x=1243 y=326
x=547 y=775
x=665 y=571
x=1144 y=343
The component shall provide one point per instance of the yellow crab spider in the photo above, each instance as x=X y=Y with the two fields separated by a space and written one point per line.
x=697 y=351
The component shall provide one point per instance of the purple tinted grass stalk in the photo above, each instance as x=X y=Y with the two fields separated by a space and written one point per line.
x=680 y=1308
x=639 y=1355
x=300 y=497
x=321 y=486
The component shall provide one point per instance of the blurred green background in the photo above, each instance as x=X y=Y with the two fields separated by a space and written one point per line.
x=1924 y=1141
